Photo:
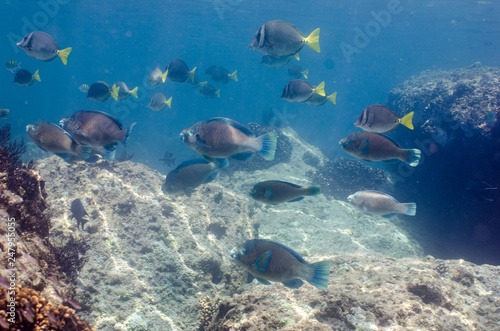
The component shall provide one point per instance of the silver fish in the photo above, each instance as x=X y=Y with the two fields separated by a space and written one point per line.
x=378 y=203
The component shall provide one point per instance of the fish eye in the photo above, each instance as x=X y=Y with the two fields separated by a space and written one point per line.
x=190 y=133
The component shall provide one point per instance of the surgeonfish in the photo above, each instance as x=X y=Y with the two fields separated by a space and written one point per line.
x=382 y=204
x=178 y=71
x=124 y=91
x=295 y=71
x=159 y=101
x=382 y=119
x=318 y=100
x=157 y=76
x=369 y=146
x=274 y=192
x=208 y=91
x=299 y=90
x=221 y=138
x=101 y=91
x=221 y=75
x=25 y=78
x=42 y=46
x=268 y=261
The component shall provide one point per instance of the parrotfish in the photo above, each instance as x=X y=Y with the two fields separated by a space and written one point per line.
x=274 y=192
x=378 y=203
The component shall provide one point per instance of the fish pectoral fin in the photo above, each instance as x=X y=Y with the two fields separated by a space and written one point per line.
x=297 y=199
x=263 y=281
x=268 y=194
x=242 y=156
x=364 y=146
x=262 y=262
x=199 y=141
x=294 y=283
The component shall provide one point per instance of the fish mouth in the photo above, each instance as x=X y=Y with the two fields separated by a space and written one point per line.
x=30 y=127
x=349 y=198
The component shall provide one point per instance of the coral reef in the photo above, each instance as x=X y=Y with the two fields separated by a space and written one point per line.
x=209 y=309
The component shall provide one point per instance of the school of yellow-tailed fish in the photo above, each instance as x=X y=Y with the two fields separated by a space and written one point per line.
x=91 y=135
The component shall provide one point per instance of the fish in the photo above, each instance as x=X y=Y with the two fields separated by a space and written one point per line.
x=98 y=129
x=124 y=91
x=101 y=91
x=381 y=204
x=368 y=146
x=159 y=101
x=157 y=76
x=221 y=75
x=281 y=38
x=222 y=137
x=274 y=192
x=275 y=62
x=208 y=91
x=79 y=213
x=25 y=78
x=84 y=88
x=299 y=90
x=268 y=261
x=168 y=159
x=295 y=71
x=318 y=100
x=54 y=139
x=4 y=113
x=196 y=81
x=42 y=46
x=12 y=65
x=178 y=71
x=382 y=119
x=190 y=174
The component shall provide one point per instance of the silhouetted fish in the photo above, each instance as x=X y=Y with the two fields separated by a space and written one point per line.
x=78 y=212
x=168 y=159
x=101 y=91
x=25 y=78
x=4 y=113
x=178 y=71
x=221 y=75
x=12 y=65
x=208 y=91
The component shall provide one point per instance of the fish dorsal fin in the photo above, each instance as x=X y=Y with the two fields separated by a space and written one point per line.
x=387 y=195
x=234 y=124
x=364 y=146
x=291 y=251
x=65 y=132
x=111 y=117
x=262 y=262
x=200 y=142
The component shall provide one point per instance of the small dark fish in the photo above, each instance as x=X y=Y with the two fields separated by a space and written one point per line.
x=196 y=81
x=274 y=192
x=43 y=47
x=26 y=78
x=157 y=76
x=178 y=71
x=299 y=90
x=318 y=100
x=79 y=213
x=221 y=138
x=221 y=75
x=84 y=88
x=275 y=62
x=124 y=91
x=329 y=64
x=295 y=71
x=381 y=204
x=4 y=113
x=54 y=139
x=208 y=91
x=159 y=101
x=280 y=38
x=12 y=65
x=168 y=159
x=272 y=261
x=101 y=91
x=369 y=146
x=210 y=70
x=382 y=119
x=190 y=174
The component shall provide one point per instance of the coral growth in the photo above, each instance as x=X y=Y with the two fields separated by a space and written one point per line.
x=209 y=309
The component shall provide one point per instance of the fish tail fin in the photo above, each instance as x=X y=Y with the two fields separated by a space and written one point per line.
x=407 y=120
x=234 y=76
x=218 y=93
x=63 y=54
x=414 y=157
x=320 y=275
x=169 y=102
x=37 y=76
x=320 y=89
x=134 y=92
x=333 y=98
x=269 y=141
x=412 y=208
x=313 y=40
x=114 y=91
x=314 y=190
x=110 y=156
x=191 y=74
x=164 y=76
x=127 y=135
x=305 y=73
x=5 y=113
x=296 y=56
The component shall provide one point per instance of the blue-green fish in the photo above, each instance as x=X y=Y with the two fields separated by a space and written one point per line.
x=271 y=261
x=274 y=192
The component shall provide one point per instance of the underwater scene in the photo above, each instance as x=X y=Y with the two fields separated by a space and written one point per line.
x=250 y=165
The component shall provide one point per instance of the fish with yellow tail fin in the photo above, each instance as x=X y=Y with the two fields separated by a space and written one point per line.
x=281 y=38
x=295 y=71
x=157 y=76
x=208 y=91
x=124 y=91
x=25 y=78
x=319 y=100
x=101 y=91
x=42 y=46
x=299 y=90
x=382 y=119
x=159 y=101
x=177 y=71
x=221 y=75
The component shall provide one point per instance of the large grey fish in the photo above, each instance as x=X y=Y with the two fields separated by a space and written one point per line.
x=221 y=75
x=157 y=76
x=42 y=46
x=369 y=146
x=159 y=101
x=378 y=203
x=274 y=192
x=295 y=71
x=54 y=139
x=124 y=91
x=221 y=138
x=79 y=213
x=382 y=119
x=299 y=90
x=190 y=174
x=177 y=71
x=25 y=78
x=280 y=38
x=101 y=91
x=318 y=100
x=97 y=129
x=208 y=91
x=267 y=261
